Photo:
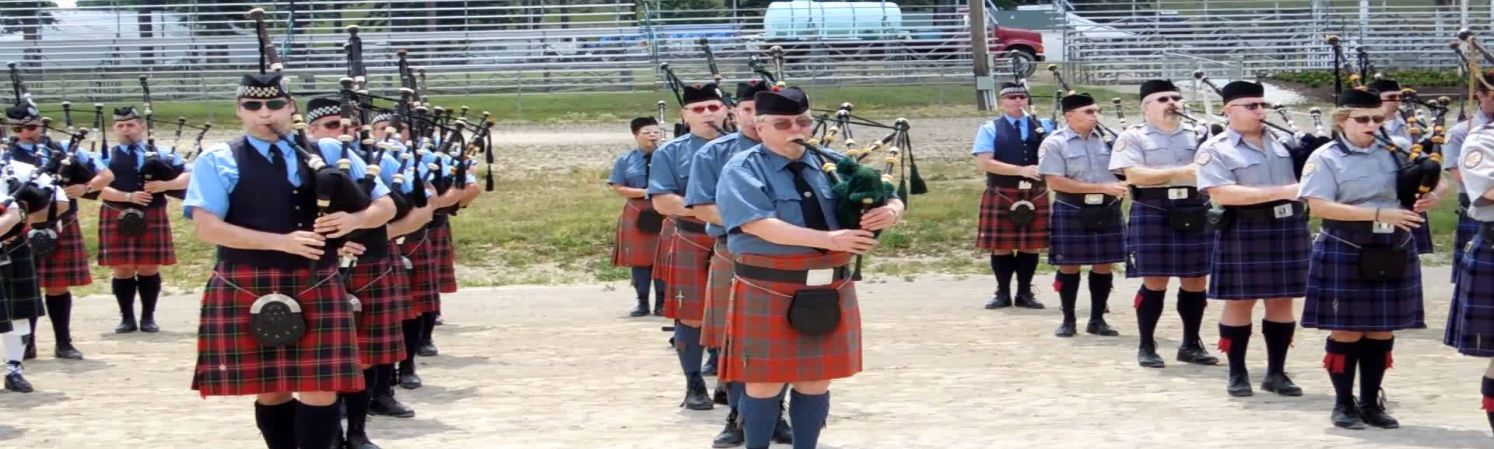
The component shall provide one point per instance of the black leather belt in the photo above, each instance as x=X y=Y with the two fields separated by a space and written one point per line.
x=690 y=226
x=1463 y=203
x=1079 y=199
x=1265 y=211
x=783 y=276
x=1010 y=182
x=1165 y=193
x=1357 y=226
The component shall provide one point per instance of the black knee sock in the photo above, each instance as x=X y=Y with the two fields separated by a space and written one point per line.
x=60 y=312
x=1233 y=341
x=1278 y=340
x=1149 y=304
x=1191 y=306
x=1003 y=266
x=1488 y=390
x=124 y=294
x=357 y=405
x=1374 y=359
x=1026 y=267
x=1100 y=285
x=316 y=427
x=1340 y=361
x=277 y=423
x=150 y=291
x=428 y=327
x=412 y=330
x=1067 y=285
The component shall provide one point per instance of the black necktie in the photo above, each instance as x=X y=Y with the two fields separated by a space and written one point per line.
x=648 y=161
x=277 y=160
x=814 y=217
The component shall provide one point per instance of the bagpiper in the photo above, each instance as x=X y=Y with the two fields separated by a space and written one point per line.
x=636 y=243
x=1015 y=206
x=28 y=196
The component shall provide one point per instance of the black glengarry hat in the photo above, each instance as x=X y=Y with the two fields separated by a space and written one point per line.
x=696 y=93
x=1155 y=86
x=263 y=86
x=1012 y=89
x=1359 y=98
x=786 y=101
x=1075 y=101
x=1385 y=86
x=1241 y=89
x=22 y=113
x=748 y=91
x=322 y=107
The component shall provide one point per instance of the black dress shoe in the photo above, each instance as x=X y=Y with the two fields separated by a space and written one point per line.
x=1147 y=357
x=387 y=405
x=1196 y=354
x=30 y=353
x=125 y=327
x=731 y=435
x=720 y=396
x=1001 y=300
x=1347 y=416
x=1375 y=415
x=440 y=320
x=696 y=397
x=359 y=442
x=1281 y=384
x=1239 y=385
x=409 y=381
x=67 y=351
x=1026 y=300
x=782 y=433
x=1100 y=328
x=1065 y=329
x=427 y=349
x=659 y=309
x=17 y=383
x=709 y=370
x=641 y=310
x=149 y=326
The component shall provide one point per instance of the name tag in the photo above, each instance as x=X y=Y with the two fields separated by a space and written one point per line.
x=820 y=277
x=1094 y=199
x=1283 y=211
x=1177 y=193
x=1381 y=227
x=1024 y=185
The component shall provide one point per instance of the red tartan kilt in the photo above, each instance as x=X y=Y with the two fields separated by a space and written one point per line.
x=632 y=247
x=404 y=303
x=762 y=347
x=424 y=286
x=67 y=266
x=445 y=254
x=154 y=247
x=230 y=362
x=380 y=332
x=690 y=266
x=665 y=249
x=997 y=231
x=718 y=299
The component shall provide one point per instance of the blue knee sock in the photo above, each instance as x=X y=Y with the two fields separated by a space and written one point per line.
x=658 y=290
x=735 y=391
x=687 y=345
x=807 y=415
x=759 y=416
x=641 y=281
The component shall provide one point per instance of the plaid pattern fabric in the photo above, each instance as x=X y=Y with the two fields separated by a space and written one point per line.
x=445 y=255
x=1257 y=259
x=424 y=284
x=1467 y=228
x=381 y=337
x=718 y=298
x=1071 y=244
x=230 y=362
x=67 y=266
x=632 y=247
x=689 y=269
x=154 y=247
x=404 y=302
x=665 y=249
x=1470 y=320
x=1154 y=248
x=1423 y=237
x=998 y=233
x=762 y=347
x=1339 y=299
x=23 y=298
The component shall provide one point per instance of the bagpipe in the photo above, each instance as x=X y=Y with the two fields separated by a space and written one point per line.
x=1419 y=168
x=730 y=125
x=156 y=167
x=1299 y=145
x=858 y=186
x=674 y=84
x=1106 y=134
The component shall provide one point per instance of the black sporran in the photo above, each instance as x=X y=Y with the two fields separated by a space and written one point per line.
x=815 y=311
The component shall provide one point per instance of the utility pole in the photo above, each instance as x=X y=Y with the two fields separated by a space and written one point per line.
x=984 y=84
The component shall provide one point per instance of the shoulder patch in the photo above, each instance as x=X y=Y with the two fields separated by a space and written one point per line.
x=1119 y=146
x=1473 y=159
x=1203 y=158
x=1310 y=167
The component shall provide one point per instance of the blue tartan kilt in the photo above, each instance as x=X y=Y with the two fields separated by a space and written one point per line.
x=1467 y=227
x=1155 y=249
x=1423 y=236
x=1338 y=298
x=1260 y=259
x=1070 y=244
x=1470 y=320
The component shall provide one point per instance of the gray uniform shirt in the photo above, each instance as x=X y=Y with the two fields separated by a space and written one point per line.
x=1227 y=159
x=1085 y=159
x=1477 y=167
x=1343 y=173
x=1146 y=145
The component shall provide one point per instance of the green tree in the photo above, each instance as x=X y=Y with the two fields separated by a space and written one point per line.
x=27 y=18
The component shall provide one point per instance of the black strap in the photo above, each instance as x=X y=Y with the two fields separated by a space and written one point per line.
x=689 y=226
x=781 y=276
x=1161 y=193
x=814 y=216
x=1264 y=211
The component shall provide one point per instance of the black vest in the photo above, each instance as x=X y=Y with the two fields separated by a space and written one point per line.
x=263 y=200
x=1011 y=149
x=16 y=153
x=127 y=176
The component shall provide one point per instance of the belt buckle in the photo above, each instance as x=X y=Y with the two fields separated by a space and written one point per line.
x=1283 y=211
x=1024 y=185
x=823 y=276
x=1381 y=227
x=1177 y=193
x=1094 y=199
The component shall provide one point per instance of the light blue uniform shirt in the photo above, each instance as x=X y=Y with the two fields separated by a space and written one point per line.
x=1343 y=173
x=165 y=153
x=1148 y=146
x=215 y=173
x=1227 y=159
x=44 y=158
x=757 y=184
x=670 y=169
x=1084 y=159
x=629 y=170
x=705 y=172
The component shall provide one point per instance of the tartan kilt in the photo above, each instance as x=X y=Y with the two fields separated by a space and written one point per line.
x=998 y=233
x=445 y=256
x=1338 y=298
x=1155 y=249
x=1467 y=228
x=718 y=298
x=67 y=266
x=762 y=347
x=689 y=269
x=230 y=362
x=1071 y=244
x=404 y=302
x=1470 y=319
x=380 y=325
x=1259 y=259
x=1423 y=236
x=425 y=290
x=664 y=251
x=22 y=296
x=154 y=247
x=632 y=247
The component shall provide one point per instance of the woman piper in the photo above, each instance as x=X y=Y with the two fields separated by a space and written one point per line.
x=1364 y=282
x=637 y=240
x=1470 y=322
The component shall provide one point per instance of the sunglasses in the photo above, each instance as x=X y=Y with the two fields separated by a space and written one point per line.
x=274 y=105
x=329 y=126
x=1391 y=97
x=785 y=125
x=1366 y=119
x=1090 y=111
x=1015 y=97
x=1169 y=99
x=702 y=109
x=1254 y=106
x=31 y=127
